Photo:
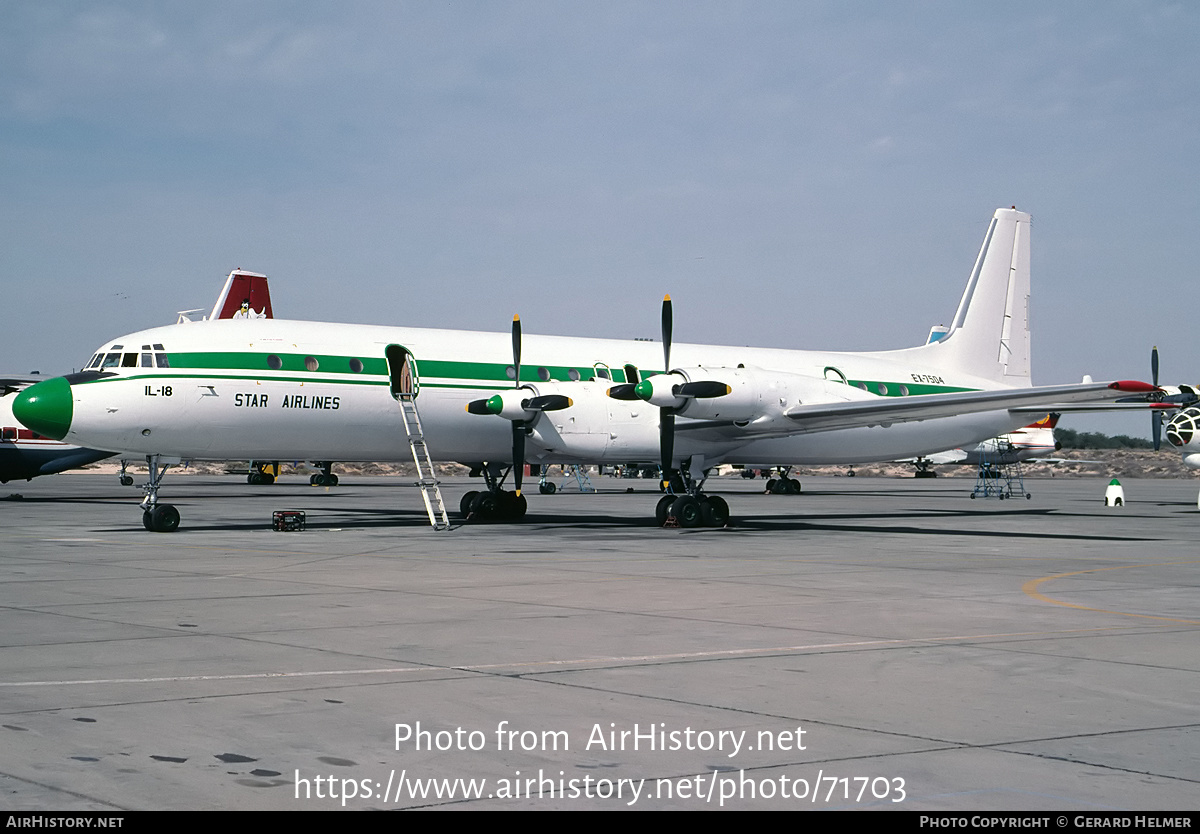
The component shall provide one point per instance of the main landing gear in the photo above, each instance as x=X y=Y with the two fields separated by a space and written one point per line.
x=691 y=508
x=156 y=517
x=924 y=468
x=262 y=474
x=325 y=477
x=493 y=503
x=783 y=485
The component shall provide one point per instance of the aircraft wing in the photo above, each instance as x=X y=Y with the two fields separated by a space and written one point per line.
x=1081 y=408
x=888 y=410
x=10 y=385
x=883 y=411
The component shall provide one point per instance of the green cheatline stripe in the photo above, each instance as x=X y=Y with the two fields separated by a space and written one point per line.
x=374 y=372
x=915 y=389
x=171 y=373
x=373 y=366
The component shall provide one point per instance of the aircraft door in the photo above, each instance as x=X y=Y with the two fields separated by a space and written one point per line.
x=401 y=371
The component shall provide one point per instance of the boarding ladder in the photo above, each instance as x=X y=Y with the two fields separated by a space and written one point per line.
x=431 y=491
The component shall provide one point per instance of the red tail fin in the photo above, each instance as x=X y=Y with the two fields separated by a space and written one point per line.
x=240 y=288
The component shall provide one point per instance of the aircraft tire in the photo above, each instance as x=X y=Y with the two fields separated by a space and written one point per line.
x=164 y=518
x=484 y=506
x=770 y=486
x=126 y=480
x=795 y=484
x=783 y=487
x=547 y=488
x=687 y=512
x=332 y=479
x=512 y=507
x=147 y=521
x=663 y=509
x=715 y=511
x=464 y=503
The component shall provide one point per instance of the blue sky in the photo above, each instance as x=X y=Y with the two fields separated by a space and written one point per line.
x=811 y=175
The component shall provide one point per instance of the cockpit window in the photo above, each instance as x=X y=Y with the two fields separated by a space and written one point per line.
x=95 y=363
x=161 y=359
x=147 y=360
x=130 y=360
x=112 y=360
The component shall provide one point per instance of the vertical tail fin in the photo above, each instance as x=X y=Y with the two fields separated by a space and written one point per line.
x=989 y=336
x=243 y=286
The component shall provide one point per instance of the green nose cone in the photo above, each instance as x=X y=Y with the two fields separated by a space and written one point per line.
x=46 y=408
x=644 y=389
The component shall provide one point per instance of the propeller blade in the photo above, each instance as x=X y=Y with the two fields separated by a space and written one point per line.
x=516 y=340
x=666 y=442
x=666 y=418
x=518 y=426
x=666 y=332
x=518 y=429
x=1155 y=416
x=548 y=402
x=702 y=390
x=624 y=391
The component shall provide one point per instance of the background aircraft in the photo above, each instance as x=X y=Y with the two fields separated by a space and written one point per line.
x=1035 y=440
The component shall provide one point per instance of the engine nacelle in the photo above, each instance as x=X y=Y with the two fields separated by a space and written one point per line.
x=526 y=402
x=739 y=394
x=1183 y=432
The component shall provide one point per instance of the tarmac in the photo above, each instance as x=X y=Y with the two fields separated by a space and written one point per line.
x=869 y=644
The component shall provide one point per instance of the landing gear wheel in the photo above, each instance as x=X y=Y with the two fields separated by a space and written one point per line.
x=771 y=482
x=686 y=510
x=126 y=480
x=484 y=506
x=547 y=488
x=664 y=509
x=512 y=507
x=785 y=486
x=163 y=518
x=464 y=503
x=714 y=511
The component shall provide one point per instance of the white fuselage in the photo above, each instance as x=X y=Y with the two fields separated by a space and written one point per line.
x=277 y=389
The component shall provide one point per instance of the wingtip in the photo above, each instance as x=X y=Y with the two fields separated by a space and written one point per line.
x=1133 y=386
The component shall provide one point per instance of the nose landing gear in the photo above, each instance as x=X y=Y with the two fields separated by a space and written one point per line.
x=156 y=517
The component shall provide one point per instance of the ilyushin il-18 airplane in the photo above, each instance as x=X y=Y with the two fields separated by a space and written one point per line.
x=277 y=389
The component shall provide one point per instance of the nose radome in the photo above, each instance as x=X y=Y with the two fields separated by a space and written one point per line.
x=46 y=408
